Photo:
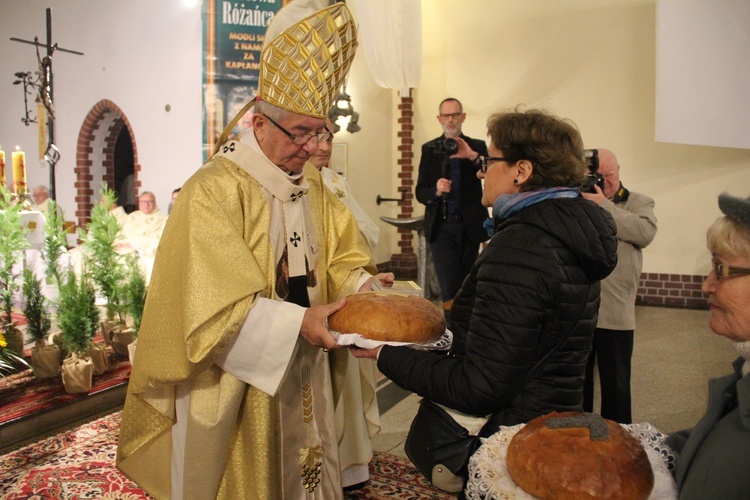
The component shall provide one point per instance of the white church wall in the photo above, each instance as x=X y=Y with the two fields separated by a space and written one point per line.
x=141 y=55
x=592 y=61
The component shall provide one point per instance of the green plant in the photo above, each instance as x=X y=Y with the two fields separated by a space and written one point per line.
x=13 y=242
x=102 y=260
x=9 y=361
x=77 y=315
x=135 y=291
x=55 y=241
x=35 y=310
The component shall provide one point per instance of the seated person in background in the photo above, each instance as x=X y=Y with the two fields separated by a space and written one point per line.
x=713 y=458
x=175 y=194
x=142 y=229
x=338 y=186
x=41 y=198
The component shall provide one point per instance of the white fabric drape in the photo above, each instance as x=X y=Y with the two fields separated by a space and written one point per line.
x=391 y=34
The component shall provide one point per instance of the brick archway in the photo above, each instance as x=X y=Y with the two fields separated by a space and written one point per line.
x=95 y=154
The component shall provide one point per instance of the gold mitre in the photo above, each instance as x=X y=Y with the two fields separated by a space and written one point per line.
x=305 y=62
x=307 y=53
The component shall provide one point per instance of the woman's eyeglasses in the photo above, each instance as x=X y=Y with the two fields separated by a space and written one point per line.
x=726 y=271
x=486 y=161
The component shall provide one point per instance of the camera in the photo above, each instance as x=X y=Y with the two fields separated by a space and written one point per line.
x=450 y=146
x=447 y=145
x=593 y=177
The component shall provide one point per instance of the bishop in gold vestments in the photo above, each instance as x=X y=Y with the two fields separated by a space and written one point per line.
x=230 y=395
x=266 y=430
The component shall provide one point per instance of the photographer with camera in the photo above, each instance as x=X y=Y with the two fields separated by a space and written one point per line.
x=613 y=338
x=452 y=194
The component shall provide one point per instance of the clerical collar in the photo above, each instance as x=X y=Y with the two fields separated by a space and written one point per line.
x=280 y=184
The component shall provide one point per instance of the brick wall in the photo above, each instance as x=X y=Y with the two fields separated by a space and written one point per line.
x=404 y=263
x=85 y=154
x=671 y=290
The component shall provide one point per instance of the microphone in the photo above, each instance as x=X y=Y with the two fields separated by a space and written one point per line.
x=447 y=175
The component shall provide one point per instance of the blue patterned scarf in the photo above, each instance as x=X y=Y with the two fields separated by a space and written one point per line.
x=508 y=204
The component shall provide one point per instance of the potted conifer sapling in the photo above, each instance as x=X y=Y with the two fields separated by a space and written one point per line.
x=106 y=266
x=13 y=242
x=135 y=291
x=78 y=318
x=53 y=256
x=45 y=359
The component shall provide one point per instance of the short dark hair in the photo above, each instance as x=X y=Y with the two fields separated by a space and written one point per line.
x=449 y=99
x=553 y=145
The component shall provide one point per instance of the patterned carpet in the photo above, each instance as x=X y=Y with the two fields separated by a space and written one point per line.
x=79 y=464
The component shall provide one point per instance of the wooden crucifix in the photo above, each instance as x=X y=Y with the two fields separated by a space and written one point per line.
x=46 y=95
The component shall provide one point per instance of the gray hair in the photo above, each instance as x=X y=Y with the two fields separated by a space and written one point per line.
x=270 y=110
x=728 y=237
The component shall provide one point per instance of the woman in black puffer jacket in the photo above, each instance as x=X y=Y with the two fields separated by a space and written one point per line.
x=524 y=319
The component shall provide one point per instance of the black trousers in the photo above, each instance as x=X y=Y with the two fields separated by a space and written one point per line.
x=612 y=351
x=453 y=255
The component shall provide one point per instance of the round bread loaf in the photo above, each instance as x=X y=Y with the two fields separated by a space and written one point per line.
x=577 y=455
x=389 y=317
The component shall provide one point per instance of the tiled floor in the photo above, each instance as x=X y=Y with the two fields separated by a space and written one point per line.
x=675 y=353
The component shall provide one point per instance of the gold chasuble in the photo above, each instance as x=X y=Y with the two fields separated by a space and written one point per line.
x=221 y=255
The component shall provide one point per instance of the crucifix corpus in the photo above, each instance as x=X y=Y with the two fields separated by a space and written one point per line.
x=43 y=84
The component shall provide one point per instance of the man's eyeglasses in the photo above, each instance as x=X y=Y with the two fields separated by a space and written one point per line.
x=486 y=161
x=455 y=116
x=725 y=271
x=302 y=139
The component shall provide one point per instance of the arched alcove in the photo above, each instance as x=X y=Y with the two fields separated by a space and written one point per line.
x=96 y=156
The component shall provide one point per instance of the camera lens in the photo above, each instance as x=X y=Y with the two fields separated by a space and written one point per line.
x=450 y=145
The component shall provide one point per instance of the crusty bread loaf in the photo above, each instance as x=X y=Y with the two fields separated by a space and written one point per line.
x=389 y=317
x=577 y=455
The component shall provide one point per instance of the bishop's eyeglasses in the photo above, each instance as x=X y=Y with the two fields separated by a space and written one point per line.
x=302 y=139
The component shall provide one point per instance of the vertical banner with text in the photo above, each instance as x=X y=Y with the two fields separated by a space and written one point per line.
x=233 y=34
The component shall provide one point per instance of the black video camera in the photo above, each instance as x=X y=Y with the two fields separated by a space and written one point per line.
x=593 y=177
x=447 y=145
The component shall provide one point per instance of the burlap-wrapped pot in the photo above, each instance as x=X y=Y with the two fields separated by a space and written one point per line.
x=45 y=360
x=14 y=338
x=56 y=339
x=121 y=338
x=108 y=330
x=77 y=374
x=131 y=350
x=98 y=354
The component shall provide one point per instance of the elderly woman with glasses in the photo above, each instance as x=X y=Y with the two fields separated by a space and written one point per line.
x=524 y=319
x=714 y=456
